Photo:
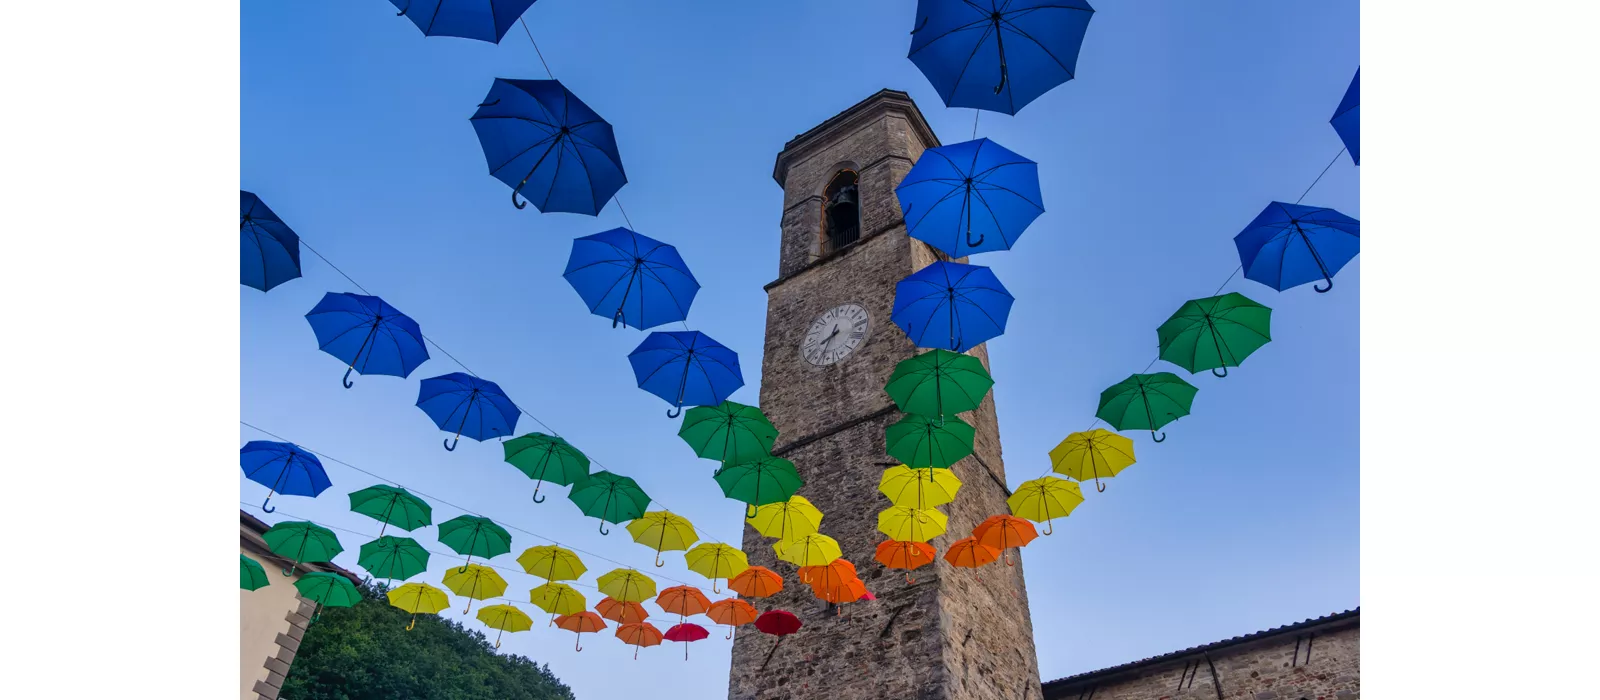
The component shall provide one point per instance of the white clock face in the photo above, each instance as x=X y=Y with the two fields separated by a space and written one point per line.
x=835 y=334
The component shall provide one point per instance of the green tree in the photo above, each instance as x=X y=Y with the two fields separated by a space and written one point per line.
x=365 y=653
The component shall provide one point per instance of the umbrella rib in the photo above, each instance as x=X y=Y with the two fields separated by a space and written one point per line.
x=1047 y=52
x=964 y=27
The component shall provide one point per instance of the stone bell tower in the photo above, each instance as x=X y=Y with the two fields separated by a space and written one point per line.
x=953 y=634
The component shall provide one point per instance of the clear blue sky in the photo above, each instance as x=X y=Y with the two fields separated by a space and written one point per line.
x=1184 y=122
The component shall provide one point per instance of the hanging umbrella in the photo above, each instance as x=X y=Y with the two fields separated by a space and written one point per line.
x=1005 y=532
x=808 y=550
x=911 y=524
x=368 y=335
x=755 y=582
x=418 y=598
x=251 y=575
x=731 y=433
x=831 y=574
x=972 y=188
x=951 y=305
x=282 y=467
x=506 y=619
x=581 y=622
x=477 y=582
x=1095 y=454
x=685 y=632
x=969 y=553
x=269 y=251
x=907 y=556
x=1214 y=332
x=1291 y=244
x=301 y=542
x=546 y=144
x=998 y=55
x=557 y=599
x=715 y=560
x=786 y=520
x=633 y=280
x=393 y=558
x=327 y=590
x=620 y=612
x=392 y=505
x=733 y=613
x=663 y=531
x=920 y=442
x=760 y=482
x=1044 y=499
x=551 y=563
x=484 y=20
x=840 y=593
x=683 y=601
x=472 y=536
x=546 y=458
x=639 y=634
x=1346 y=119
x=1146 y=402
x=686 y=368
x=627 y=585
x=780 y=624
x=469 y=406
x=919 y=488
x=609 y=497
x=939 y=383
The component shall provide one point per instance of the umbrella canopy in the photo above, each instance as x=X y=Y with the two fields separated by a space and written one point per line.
x=841 y=592
x=686 y=368
x=620 y=612
x=808 y=550
x=828 y=575
x=663 y=531
x=920 y=442
x=251 y=575
x=581 y=622
x=394 y=558
x=969 y=553
x=327 y=590
x=906 y=556
x=1291 y=244
x=557 y=599
x=1092 y=454
x=1346 y=119
x=627 y=585
x=998 y=55
x=269 y=251
x=551 y=563
x=1005 y=532
x=610 y=497
x=301 y=541
x=1214 y=333
x=1146 y=402
x=733 y=613
x=786 y=520
x=472 y=536
x=367 y=334
x=939 y=383
x=504 y=618
x=639 y=634
x=760 y=482
x=911 y=524
x=919 y=488
x=282 y=467
x=970 y=197
x=546 y=458
x=778 y=623
x=683 y=601
x=715 y=560
x=477 y=582
x=418 y=598
x=467 y=405
x=951 y=305
x=756 y=582
x=731 y=433
x=484 y=20
x=1044 y=499
x=392 y=505
x=633 y=280
x=547 y=145
x=685 y=632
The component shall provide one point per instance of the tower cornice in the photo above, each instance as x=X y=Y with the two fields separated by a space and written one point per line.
x=855 y=117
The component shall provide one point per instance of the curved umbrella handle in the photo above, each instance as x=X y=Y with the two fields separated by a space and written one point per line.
x=1162 y=438
x=730 y=632
x=715 y=589
x=514 y=202
x=289 y=571
x=579 y=645
x=1009 y=560
x=451 y=444
x=908 y=579
x=1099 y=487
x=615 y=319
x=1049 y=527
x=749 y=511
x=971 y=243
x=403 y=10
x=603 y=529
x=536 y=497
x=266 y=508
x=675 y=411
x=413 y=624
x=920 y=26
x=497 y=641
x=659 y=563
x=489 y=104
x=468 y=608
x=1219 y=376
x=1324 y=290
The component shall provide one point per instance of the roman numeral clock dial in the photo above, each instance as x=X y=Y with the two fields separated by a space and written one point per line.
x=835 y=334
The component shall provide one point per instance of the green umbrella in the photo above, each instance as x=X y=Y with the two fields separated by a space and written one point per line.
x=474 y=537
x=921 y=442
x=301 y=541
x=393 y=558
x=251 y=575
x=728 y=432
x=759 y=482
x=609 y=497
x=327 y=589
x=1146 y=402
x=546 y=458
x=392 y=505
x=939 y=383
x=1215 y=332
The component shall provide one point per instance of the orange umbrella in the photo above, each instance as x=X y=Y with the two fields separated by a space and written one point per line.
x=683 y=600
x=1004 y=532
x=581 y=622
x=830 y=575
x=620 y=612
x=841 y=593
x=731 y=612
x=905 y=555
x=970 y=553
x=639 y=634
x=756 y=582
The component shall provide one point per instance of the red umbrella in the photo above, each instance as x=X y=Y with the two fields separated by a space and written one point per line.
x=685 y=632
x=777 y=623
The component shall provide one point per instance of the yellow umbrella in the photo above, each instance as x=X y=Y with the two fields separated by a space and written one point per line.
x=627 y=585
x=418 y=598
x=1044 y=499
x=911 y=524
x=919 y=488
x=662 y=531
x=506 y=619
x=1095 y=454
x=715 y=561
x=552 y=563
x=477 y=582
x=557 y=599
x=808 y=550
x=786 y=520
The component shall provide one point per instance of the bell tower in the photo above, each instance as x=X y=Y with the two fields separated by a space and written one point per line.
x=953 y=634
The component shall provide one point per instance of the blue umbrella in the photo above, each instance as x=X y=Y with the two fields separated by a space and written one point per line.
x=951 y=306
x=998 y=54
x=975 y=186
x=1291 y=244
x=1347 y=118
x=367 y=334
x=269 y=251
x=631 y=279
x=687 y=368
x=540 y=138
x=484 y=20
x=284 y=468
x=470 y=406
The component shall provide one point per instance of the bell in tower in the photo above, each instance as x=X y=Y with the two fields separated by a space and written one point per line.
x=843 y=210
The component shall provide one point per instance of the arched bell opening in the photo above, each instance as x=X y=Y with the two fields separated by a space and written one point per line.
x=841 y=211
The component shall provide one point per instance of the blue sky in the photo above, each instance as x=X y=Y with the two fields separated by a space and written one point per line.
x=1183 y=124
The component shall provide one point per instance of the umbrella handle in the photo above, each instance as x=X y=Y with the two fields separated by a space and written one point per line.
x=489 y=104
x=290 y=571
x=579 y=645
x=659 y=563
x=1101 y=488
x=468 y=608
x=450 y=445
x=714 y=588
x=603 y=529
x=636 y=652
x=908 y=579
x=536 y=498
x=1000 y=43
x=346 y=380
x=520 y=205
x=1162 y=438
x=1007 y=557
x=1049 y=527
x=749 y=511
x=920 y=26
x=616 y=318
x=675 y=412
x=266 y=508
x=403 y=10
x=970 y=242
x=1324 y=290
x=730 y=632
x=413 y=624
x=1219 y=376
